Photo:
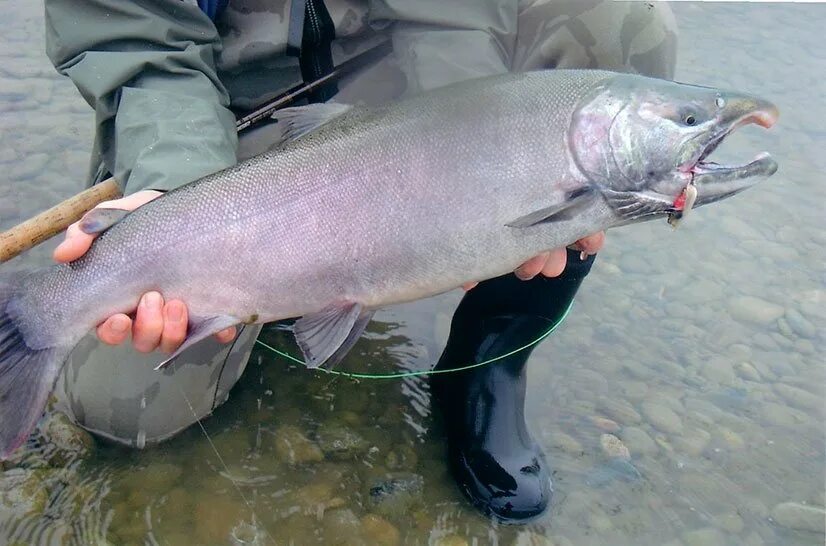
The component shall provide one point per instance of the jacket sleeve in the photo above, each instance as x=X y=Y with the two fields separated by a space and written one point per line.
x=148 y=69
x=439 y=43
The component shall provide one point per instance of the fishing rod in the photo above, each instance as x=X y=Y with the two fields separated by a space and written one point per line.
x=49 y=223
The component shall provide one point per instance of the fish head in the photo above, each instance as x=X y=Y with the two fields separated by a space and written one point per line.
x=643 y=141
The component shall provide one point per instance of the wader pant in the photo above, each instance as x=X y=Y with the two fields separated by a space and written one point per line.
x=116 y=393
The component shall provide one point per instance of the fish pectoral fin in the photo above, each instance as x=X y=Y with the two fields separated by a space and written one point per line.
x=574 y=202
x=99 y=220
x=636 y=206
x=298 y=121
x=199 y=330
x=326 y=336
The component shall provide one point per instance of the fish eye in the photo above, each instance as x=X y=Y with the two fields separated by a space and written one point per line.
x=689 y=119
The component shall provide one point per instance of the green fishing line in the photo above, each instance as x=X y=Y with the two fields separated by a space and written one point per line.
x=424 y=372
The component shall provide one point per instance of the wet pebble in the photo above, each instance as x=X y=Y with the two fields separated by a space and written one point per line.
x=293 y=447
x=617 y=469
x=729 y=439
x=619 y=411
x=729 y=521
x=639 y=440
x=566 y=443
x=402 y=457
x=66 y=441
x=799 y=324
x=613 y=448
x=800 y=517
x=340 y=442
x=22 y=492
x=708 y=536
x=342 y=526
x=692 y=442
x=394 y=494
x=719 y=370
x=746 y=371
x=754 y=310
x=662 y=418
x=798 y=397
x=379 y=531
x=634 y=390
x=780 y=415
x=784 y=328
x=605 y=425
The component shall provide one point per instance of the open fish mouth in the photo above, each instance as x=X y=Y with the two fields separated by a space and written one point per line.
x=714 y=181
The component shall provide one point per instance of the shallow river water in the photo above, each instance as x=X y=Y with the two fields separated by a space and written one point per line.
x=699 y=348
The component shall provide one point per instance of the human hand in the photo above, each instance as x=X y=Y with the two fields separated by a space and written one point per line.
x=157 y=324
x=552 y=264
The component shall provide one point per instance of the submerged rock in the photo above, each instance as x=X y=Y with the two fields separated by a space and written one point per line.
x=342 y=527
x=639 y=440
x=708 y=536
x=613 y=470
x=754 y=310
x=663 y=418
x=66 y=441
x=291 y=446
x=379 y=531
x=613 y=448
x=340 y=442
x=801 y=517
x=393 y=494
x=22 y=492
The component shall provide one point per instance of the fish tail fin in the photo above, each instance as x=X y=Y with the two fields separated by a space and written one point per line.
x=27 y=374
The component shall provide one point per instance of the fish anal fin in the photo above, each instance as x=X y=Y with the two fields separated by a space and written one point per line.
x=355 y=334
x=199 y=330
x=100 y=219
x=298 y=121
x=326 y=336
x=573 y=204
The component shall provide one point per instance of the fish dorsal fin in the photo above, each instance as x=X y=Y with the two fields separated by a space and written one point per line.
x=201 y=329
x=326 y=336
x=298 y=121
x=574 y=202
x=100 y=219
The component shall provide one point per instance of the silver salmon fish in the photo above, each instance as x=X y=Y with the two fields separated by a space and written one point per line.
x=364 y=207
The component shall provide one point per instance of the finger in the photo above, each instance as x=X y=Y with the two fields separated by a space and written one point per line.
x=225 y=336
x=74 y=245
x=555 y=265
x=469 y=285
x=174 y=325
x=131 y=202
x=115 y=329
x=532 y=267
x=146 y=333
x=591 y=244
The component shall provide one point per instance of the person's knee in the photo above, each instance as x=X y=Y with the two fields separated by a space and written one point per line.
x=639 y=37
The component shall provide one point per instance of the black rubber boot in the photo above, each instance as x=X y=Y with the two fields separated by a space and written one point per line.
x=493 y=457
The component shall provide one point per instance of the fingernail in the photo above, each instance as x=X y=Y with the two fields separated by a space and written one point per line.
x=119 y=324
x=151 y=300
x=583 y=256
x=174 y=313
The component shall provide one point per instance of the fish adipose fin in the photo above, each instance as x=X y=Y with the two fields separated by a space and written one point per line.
x=27 y=375
x=573 y=204
x=200 y=329
x=325 y=337
x=297 y=121
x=100 y=219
